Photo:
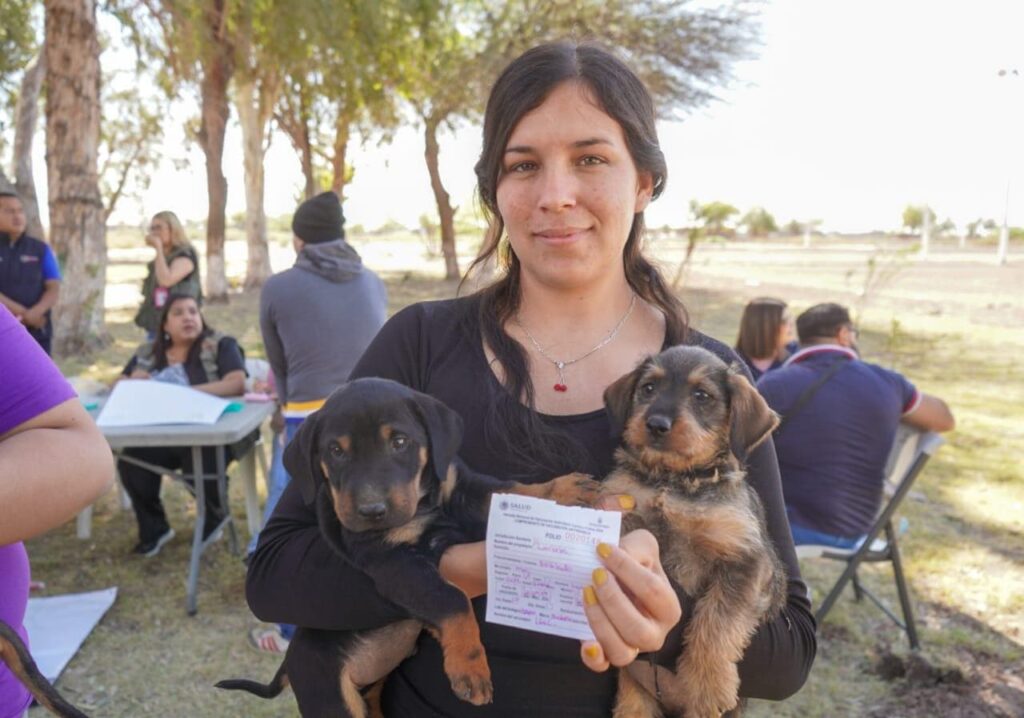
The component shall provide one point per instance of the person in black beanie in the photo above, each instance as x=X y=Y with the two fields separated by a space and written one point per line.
x=319 y=219
x=316 y=319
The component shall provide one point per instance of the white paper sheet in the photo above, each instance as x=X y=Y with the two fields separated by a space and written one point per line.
x=58 y=625
x=139 y=402
x=540 y=555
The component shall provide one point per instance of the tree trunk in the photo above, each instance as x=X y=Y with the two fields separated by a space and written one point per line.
x=444 y=206
x=257 y=267
x=26 y=114
x=295 y=123
x=216 y=69
x=341 y=135
x=72 y=139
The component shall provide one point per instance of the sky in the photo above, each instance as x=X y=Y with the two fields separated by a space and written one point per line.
x=849 y=112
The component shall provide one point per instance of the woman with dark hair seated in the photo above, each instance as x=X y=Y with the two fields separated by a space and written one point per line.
x=188 y=352
x=767 y=336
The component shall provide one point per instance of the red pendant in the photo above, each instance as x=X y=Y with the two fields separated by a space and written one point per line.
x=561 y=387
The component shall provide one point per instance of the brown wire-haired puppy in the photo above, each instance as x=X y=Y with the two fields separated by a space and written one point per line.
x=15 y=654
x=379 y=460
x=687 y=422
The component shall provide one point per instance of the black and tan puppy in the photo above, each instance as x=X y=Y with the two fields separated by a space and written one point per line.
x=379 y=460
x=14 y=653
x=687 y=422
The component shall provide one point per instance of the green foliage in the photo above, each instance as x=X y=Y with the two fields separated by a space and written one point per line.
x=793 y=227
x=713 y=216
x=130 y=137
x=18 y=42
x=759 y=222
x=914 y=216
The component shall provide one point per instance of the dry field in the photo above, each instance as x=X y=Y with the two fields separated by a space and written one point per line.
x=953 y=323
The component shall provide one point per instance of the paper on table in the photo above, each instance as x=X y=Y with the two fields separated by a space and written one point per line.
x=540 y=555
x=139 y=402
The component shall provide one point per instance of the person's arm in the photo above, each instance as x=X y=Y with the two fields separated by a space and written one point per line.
x=272 y=345
x=35 y=495
x=294 y=576
x=35 y=316
x=930 y=414
x=167 y=275
x=230 y=369
x=231 y=384
x=13 y=307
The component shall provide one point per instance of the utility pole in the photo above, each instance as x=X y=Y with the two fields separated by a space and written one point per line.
x=1004 y=232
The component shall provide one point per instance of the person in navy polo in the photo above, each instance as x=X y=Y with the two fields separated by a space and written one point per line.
x=29 y=276
x=833 y=443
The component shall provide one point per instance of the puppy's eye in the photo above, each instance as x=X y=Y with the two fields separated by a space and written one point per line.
x=399 y=442
x=336 y=451
x=647 y=389
x=701 y=395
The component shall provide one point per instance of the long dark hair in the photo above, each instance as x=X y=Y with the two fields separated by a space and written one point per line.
x=522 y=87
x=162 y=341
x=760 y=325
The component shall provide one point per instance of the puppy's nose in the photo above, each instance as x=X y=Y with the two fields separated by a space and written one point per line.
x=374 y=512
x=659 y=424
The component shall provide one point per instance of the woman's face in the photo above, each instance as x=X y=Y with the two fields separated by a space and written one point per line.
x=161 y=230
x=569 y=190
x=184 y=323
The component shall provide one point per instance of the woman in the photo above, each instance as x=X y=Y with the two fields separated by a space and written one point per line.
x=570 y=160
x=174 y=270
x=186 y=351
x=39 y=416
x=766 y=337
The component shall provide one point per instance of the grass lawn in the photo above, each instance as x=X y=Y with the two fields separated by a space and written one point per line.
x=953 y=324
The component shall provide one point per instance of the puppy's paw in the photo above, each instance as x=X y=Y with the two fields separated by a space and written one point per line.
x=473 y=688
x=574 y=489
x=710 y=692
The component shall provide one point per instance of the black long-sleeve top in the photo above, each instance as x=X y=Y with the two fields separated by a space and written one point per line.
x=294 y=577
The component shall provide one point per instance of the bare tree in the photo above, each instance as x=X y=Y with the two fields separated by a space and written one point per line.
x=72 y=136
x=27 y=115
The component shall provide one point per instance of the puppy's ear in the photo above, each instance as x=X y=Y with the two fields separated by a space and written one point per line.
x=302 y=457
x=751 y=419
x=618 y=397
x=444 y=431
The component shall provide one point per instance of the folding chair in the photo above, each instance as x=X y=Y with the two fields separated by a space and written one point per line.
x=911 y=450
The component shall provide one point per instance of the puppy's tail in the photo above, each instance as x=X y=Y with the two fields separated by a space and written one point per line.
x=264 y=690
x=14 y=653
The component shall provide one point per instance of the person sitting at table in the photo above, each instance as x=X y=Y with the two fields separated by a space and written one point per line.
x=766 y=338
x=186 y=351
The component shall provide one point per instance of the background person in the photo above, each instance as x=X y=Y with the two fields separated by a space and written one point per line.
x=570 y=161
x=40 y=415
x=174 y=270
x=766 y=337
x=317 y=318
x=188 y=352
x=833 y=448
x=29 y=275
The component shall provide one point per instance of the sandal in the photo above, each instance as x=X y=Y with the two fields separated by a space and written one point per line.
x=268 y=640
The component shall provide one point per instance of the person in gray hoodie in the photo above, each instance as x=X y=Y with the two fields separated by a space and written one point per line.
x=317 y=318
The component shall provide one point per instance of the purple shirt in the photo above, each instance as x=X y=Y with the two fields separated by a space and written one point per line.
x=31 y=384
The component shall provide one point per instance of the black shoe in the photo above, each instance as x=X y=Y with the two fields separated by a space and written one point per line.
x=149 y=549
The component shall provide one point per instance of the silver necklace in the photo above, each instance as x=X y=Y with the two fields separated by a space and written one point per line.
x=561 y=365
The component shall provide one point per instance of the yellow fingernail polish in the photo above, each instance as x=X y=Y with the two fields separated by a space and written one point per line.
x=600 y=576
x=627 y=502
x=589 y=597
x=604 y=550
x=592 y=651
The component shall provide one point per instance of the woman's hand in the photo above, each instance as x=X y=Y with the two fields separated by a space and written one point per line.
x=631 y=605
x=139 y=374
x=154 y=241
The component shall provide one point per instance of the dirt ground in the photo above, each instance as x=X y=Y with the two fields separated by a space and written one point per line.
x=954 y=323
